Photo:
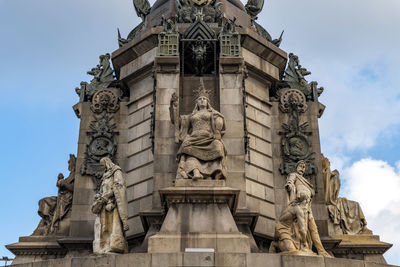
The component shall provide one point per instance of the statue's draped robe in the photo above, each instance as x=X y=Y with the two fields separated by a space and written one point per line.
x=112 y=215
x=64 y=200
x=46 y=210
x=346 y=215
x=202 y=149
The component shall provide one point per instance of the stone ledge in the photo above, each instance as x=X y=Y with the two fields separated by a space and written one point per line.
x=202 y=259
x=201 y=194
x=199 y=183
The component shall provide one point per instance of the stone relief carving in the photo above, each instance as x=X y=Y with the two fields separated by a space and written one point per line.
x=254 y=7
x=296 y=232
x=142 y=8
x=199 y=50
x=54 y=211
x=105 y=101
x=168 y=39
x=295 y=142
x=210 y=10
x=102 y=77
x=202 y=154
x=199 y=40
x=229 y=39
x=111 y=208
x=101 y=142
x=295 y=78
x=346 y=216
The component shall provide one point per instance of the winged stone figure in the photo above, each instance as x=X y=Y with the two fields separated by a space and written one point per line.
x=142 y=8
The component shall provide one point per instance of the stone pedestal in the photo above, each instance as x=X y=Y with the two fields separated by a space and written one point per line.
x=200 y=215
x=361 y=247
x=36 y=248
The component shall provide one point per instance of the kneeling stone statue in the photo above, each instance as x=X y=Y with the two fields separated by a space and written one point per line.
x=111 y=207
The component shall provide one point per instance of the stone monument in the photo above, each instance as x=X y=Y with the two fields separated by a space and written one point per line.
x=199 y=146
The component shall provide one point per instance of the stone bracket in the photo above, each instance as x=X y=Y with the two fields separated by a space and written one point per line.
x=233 y=65
x=167 y=64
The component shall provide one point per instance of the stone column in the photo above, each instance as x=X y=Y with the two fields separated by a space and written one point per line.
x=231 y=106
x=165 y=148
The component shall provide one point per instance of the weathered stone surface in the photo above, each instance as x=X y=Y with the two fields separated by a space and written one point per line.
x=53 y=262
x=198 y=259
x=263 y=259
x=139 y=130
x=263 y=176
x=336 y=262
x=202 y=259
x=139 y=115
x=231 y=82
x=231 y=97
x=199 y=183
x=301 y=261
x=139 y=160
x=132 y=67
x=139 y=174
x=135 y=226
x=135 y=259
x=234 y=146
x=230 y=259
x=167 y=259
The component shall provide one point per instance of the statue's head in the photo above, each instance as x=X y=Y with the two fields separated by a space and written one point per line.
x=60 y=176
x=106 y=163
x=202 y=96
x=202 y=102
x=301 y=167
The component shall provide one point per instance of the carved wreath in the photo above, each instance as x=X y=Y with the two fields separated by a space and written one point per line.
x=293 y=97
x=104 y=100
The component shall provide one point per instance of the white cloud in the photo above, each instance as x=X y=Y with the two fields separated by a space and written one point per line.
x=376 y=186
x=351 y=48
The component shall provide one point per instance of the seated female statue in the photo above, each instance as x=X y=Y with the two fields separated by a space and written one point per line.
x=202 y=154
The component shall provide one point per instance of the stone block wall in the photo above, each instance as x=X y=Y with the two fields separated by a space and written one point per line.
x=165 y=148
x=260 y=193
x=231 y=106
x=139 y=157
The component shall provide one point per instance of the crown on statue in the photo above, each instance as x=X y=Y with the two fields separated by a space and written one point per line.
x=202 y=91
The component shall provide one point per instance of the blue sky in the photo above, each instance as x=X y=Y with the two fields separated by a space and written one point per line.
x=351 y=48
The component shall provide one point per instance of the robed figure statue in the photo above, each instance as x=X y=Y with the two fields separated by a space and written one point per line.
x=111 y=207
x=202 y=154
